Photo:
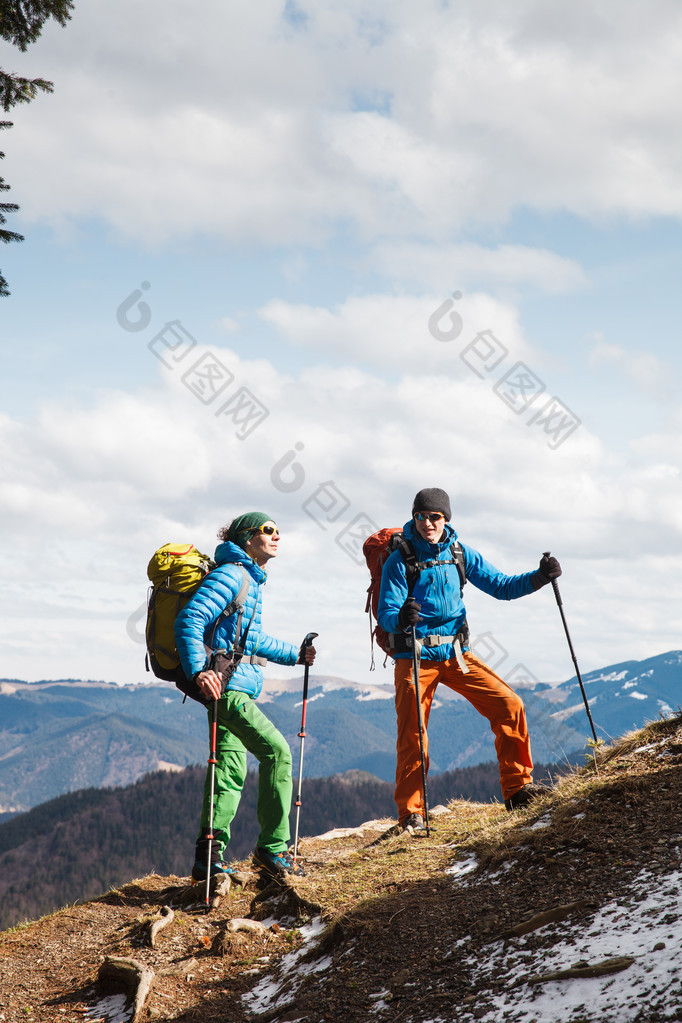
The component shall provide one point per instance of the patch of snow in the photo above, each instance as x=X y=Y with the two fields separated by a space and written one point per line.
x=379 y=997
x=649 y=931
x=311 y=930
x=613 y=676
x=311 y=699
x=275 y=992
x=500 y=875
x=541 y=822
x=645 y=749
x=166 y=765
x=462 y=867
x=376 y=694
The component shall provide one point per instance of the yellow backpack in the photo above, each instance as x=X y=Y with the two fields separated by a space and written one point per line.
x=175 y=572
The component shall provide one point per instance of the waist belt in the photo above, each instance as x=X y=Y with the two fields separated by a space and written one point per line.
x=401 y=643
x=254 y=659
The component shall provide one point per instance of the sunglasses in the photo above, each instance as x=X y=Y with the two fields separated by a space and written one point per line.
x=430 y=516
x=268 y=530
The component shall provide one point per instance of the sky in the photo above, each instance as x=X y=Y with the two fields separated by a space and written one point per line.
x=311 y=258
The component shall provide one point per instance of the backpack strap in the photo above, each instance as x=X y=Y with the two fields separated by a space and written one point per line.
x=414 y=567
x=236 y=604
x=456 y=559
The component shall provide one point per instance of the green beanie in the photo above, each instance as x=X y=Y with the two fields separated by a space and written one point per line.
x=245 y=524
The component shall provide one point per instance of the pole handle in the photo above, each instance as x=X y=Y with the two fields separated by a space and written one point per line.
x=555 y=584
x=308 y=641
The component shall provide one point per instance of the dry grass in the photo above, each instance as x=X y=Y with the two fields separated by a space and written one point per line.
x=387 y=901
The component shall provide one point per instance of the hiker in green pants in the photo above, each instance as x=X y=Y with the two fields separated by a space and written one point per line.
x=249 y=542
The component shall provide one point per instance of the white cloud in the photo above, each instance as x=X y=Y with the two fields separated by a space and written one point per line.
x=467 y=265
x=226 y=325
x=89 y=494
x=392 y=119
x=644 y=369
x=403 y=333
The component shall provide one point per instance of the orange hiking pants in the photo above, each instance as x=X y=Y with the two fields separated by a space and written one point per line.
x=491 y=697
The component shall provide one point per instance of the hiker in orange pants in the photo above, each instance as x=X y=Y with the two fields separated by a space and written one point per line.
x=421 y=586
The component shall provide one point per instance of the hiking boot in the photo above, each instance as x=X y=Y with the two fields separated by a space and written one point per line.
x=218 y=865
x=526 y=795
x=218 y=868
x=414 y=821
x=277 y=864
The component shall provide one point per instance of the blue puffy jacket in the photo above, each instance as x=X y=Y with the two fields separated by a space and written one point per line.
x=194 y=626
x=438 y=589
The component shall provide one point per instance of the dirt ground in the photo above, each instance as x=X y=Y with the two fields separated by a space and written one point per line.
x=388 y=916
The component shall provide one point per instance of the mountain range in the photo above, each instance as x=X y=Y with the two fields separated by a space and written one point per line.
x=66 y=735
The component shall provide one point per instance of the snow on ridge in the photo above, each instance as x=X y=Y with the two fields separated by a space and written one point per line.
x=613 y=676
x=311 y=699
x=568 y=712
x=375 y=693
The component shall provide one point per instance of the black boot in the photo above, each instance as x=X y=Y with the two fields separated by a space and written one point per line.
x=526 y=795
x=218 y=866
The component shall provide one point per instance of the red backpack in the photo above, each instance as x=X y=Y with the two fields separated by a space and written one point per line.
x=377 y=549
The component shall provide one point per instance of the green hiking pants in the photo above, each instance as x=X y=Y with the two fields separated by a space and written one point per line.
x=241 y=726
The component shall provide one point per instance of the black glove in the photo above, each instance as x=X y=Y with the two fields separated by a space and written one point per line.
x=549 y=570
x=409 y=613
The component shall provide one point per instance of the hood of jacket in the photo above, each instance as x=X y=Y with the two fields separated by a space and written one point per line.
x=228 y=553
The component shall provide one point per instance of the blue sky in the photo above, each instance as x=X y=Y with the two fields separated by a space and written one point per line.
x=301 y=188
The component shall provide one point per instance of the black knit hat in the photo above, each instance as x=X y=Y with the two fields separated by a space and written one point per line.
x=432 y=499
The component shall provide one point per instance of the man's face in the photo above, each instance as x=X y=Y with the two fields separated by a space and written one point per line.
x=262 y=544
x=430 y=525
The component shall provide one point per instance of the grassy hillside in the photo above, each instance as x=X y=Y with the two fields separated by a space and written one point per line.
x=570 y=910
x=87 y=841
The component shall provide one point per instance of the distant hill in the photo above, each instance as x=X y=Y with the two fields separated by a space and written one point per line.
x=58 y=737
x=79 y=845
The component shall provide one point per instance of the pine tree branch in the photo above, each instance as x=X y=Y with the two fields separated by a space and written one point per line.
x=21 y=21
x=15 y=89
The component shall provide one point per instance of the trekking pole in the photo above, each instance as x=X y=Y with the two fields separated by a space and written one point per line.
x=306 y=643
x=555 y=587
x=415 y=672
x=212 y=760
